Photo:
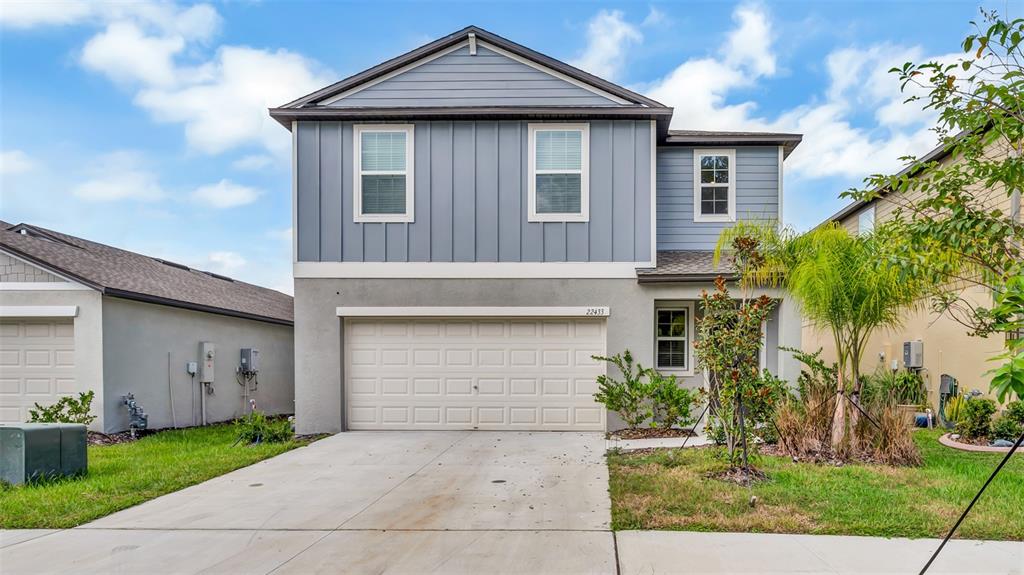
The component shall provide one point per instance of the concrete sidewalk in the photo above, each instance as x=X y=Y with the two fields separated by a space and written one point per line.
x=666 y=552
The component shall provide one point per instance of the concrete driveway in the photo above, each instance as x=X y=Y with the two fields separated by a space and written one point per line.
x=363 y=502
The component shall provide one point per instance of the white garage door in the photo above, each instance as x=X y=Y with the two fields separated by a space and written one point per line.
x=37 y=365
x=515 y=374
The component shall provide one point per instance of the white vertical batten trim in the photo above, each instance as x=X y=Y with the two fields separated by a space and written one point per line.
x=472 y=44
x=38 y=310
x=654 y=193
x=295 y=191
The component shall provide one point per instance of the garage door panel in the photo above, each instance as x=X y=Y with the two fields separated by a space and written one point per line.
x=473 y=373
x=37 y=365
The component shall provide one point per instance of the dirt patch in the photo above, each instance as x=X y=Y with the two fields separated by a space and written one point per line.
x=95 y=438
x=740 y=476
x=650 y=433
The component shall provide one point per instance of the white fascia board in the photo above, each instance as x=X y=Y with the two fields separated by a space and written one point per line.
x=474 y=311
x=7 y=311
x=42 y=286
x=468 y=270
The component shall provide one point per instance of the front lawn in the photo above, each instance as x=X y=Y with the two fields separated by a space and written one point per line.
x=129 y=473
x=660 y=490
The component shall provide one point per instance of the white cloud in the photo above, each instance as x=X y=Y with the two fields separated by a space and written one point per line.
x=159 y=50
x=225 y=194
x=253 y=162
x=608 y=38
x=225 y=262
x=15 y=162
x=655 y=17
x=120 y=176
x=700 y=88
x=225 y=106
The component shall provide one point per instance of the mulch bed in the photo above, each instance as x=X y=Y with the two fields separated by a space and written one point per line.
x=95 y=438
x=649 y=433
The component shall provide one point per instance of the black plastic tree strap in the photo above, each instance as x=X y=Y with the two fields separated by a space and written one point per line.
x=963 y=515
x=693 y=430
x=861 y=409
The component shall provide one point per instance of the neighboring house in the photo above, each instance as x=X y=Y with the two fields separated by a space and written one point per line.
x=76 y=316
x=474 y=220
x=947 y=347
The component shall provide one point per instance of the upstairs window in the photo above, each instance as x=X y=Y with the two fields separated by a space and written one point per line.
x=383 y=187
x=559 y=166
x=714 y=185
x=866 y=220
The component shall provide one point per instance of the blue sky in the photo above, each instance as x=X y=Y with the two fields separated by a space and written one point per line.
x=143 y=124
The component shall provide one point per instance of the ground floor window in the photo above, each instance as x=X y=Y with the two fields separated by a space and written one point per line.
x=672 y=338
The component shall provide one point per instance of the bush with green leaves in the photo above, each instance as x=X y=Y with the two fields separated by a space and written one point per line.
x=1003 y=427
x=258 y=428
x=900 y=387
x=628 y=397
x=66 y=410
x=671 y=405
x=1015 y=411
x=976 y=420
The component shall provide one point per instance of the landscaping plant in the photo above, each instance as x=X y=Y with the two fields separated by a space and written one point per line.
x=258 y=428
x=671 y=405
x=976 y=422
x=901 y=387
x=949 y=219
x=1006 y=428
x=628 y=397
x=66 y=410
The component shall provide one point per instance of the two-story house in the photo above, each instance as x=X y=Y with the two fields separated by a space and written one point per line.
x=474 y=220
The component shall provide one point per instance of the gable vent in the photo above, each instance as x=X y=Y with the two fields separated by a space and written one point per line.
x=472 y=44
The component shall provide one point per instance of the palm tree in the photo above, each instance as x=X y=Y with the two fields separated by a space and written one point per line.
x=844 y=283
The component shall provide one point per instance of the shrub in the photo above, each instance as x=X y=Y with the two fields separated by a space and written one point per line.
x=1015 y=411
x=954 y=409
x=891 y=441
x=901 y=387
x=671 y=405
x=817 y=378
x=66 y=410
x=1005 y=427
x=629 y=397
x=258 y=428
x=977 y=418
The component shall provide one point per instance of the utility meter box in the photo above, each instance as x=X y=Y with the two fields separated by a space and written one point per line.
x=32 y=450
x=913 y=354
x=249 y=360
x=207 y=357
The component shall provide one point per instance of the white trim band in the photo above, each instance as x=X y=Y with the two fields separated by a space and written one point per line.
x=468 y=270
x=471 y=311
x=42 y=286
x=7 y=311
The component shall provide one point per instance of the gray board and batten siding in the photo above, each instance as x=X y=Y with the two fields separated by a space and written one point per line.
x=486 y=79
x=757 y=195
x=470 y=182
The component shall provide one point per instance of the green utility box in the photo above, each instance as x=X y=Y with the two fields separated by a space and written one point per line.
x=32 y=450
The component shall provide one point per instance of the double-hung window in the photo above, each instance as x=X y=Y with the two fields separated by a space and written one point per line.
x=559 y=166
x=672 y=337
x=714 y=185
x=383 y=161
x=866 y=220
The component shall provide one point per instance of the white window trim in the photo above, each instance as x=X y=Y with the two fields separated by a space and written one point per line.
x=584 y=171
x=697 y=155
x=357 y=169
x=688 y=308
x=860 y=218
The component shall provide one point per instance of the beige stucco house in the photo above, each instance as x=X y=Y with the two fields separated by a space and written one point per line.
x=947 y=347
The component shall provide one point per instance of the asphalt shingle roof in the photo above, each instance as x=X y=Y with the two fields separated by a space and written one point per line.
x=686 y=265
x=130 y=275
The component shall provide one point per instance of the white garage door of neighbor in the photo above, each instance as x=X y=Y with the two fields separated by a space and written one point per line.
x=37 y=365
x=512 y=374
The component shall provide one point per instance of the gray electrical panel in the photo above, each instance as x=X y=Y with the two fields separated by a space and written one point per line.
x=207 y=357
x=250 y=360
x=913 y=354
x=34 y=450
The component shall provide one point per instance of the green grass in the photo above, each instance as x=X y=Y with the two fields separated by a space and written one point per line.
x=664 y=491
x=129 y=473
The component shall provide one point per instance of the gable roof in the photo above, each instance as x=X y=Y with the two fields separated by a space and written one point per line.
x=311 y=106
x=129 y=275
